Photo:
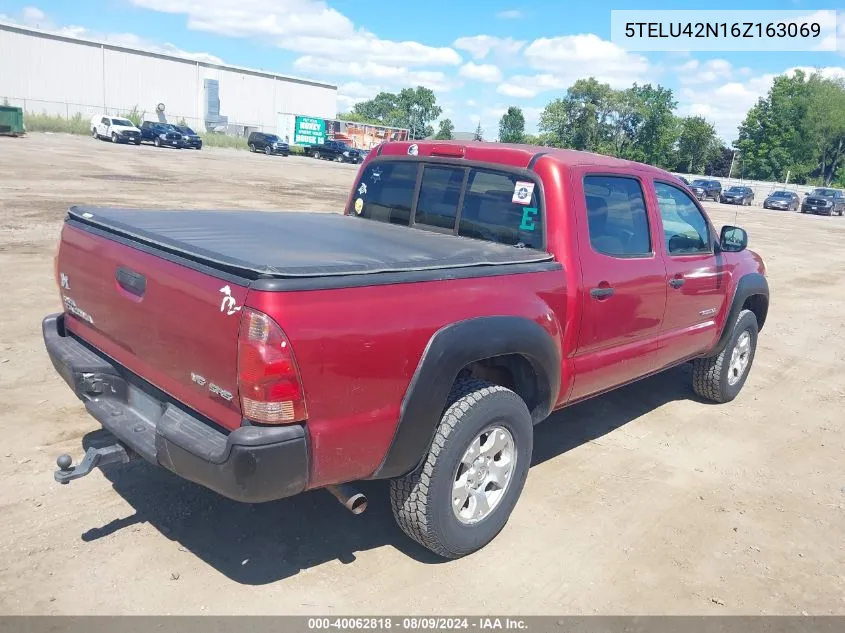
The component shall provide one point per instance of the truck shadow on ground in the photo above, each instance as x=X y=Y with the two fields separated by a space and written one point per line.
x=264 y=543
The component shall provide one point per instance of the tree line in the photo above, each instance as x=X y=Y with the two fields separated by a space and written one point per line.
x=796 y=130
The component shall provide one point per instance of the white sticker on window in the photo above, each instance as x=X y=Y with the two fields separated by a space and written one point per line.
x=522 y=192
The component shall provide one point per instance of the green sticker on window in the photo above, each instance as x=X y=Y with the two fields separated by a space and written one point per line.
x=529 y=215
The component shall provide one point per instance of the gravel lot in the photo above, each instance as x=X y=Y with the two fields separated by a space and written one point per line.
x=642 y=501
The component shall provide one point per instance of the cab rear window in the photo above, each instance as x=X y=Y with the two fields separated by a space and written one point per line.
x=480 y=203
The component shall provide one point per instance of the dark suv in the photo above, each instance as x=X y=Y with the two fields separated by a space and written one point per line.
x=824 y=201
x=267 y=143
x=161 y=134
x=704 y=189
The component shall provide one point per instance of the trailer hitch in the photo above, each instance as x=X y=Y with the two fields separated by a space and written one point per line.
x=94 y=458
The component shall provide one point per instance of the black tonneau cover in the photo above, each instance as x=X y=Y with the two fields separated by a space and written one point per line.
x=286 y=245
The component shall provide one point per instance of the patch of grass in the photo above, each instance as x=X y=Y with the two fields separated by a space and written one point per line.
x=136 y=116
x=223 y=140
x=51 y=123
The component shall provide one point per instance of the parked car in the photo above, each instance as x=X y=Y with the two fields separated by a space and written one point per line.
x=115 y=129
x=192 y=139
x=561 y=276
x=824 y=201
x=737 y=195
x=161 y=134
x=336 y=151
x=782 y=200
x=268 y=143
x=704 y=189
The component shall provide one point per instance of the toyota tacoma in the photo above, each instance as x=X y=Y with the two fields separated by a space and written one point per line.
x=466 y=292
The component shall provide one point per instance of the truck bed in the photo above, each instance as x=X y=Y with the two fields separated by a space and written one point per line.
x=262 y=245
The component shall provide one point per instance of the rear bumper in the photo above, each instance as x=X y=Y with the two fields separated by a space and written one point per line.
x=250 y=464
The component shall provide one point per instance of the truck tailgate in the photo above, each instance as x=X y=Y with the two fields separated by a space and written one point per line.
x=174 y=326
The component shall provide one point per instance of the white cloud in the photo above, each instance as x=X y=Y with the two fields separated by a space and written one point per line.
x=471 y=103
x=487 y=73
x=36 y=18
x=394 y=75
x=510 y=14
x=479 y=46
x=694 y=72
x=302 y=26
x=567 y=58
x=350 y=93
x=32 y=15
x=517 y=91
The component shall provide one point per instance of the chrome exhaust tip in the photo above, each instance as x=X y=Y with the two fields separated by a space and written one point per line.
x=350 y=497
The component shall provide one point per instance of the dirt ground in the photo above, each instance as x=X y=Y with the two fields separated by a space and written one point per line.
x=643 y=501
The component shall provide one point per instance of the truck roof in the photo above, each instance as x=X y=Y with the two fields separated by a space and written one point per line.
x=515 y=155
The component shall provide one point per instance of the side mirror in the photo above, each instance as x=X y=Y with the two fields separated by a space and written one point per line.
x=733 y=239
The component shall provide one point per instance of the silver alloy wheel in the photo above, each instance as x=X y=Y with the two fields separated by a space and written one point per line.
x=483 y=475
x=740 y=356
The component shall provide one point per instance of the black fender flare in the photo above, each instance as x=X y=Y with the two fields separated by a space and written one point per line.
x=749 y=285
x=449 y=350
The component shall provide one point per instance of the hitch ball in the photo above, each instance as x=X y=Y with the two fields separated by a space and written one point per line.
x=64 y=461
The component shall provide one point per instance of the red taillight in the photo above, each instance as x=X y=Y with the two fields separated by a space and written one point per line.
x=268 y=378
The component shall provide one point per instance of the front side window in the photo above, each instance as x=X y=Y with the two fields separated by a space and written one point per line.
x=616 y=216
x=685 y=229
x=104 y=121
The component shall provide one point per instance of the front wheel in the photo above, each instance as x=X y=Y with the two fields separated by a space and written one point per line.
x=463 y=493
x=317 y=155
x=113 y=137
x=157 y=142
x=720 y=378
x=267 y=150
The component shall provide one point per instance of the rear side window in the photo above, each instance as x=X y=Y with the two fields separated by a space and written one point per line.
x=489 y=212
x=479 y=203
x=616 y=216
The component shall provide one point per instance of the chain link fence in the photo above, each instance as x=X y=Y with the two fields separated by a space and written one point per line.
x=75 y=118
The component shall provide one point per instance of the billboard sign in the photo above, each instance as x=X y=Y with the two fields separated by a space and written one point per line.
x=304 y=130
x=308 y=131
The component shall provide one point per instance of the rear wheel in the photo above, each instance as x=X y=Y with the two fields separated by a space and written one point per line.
x=463 y=493
x=251 y=147
x=94 y=134
x=720 y=378
x=317 y=155
x=138 y=142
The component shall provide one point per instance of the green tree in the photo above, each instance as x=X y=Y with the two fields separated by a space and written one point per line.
x=825 y=125
x=412 y=108
x=697 y=144
x=653 y=127
x=583 y=119
x=512 y=126
x=479 y=133
x=445 y=131
x=354 y=117
x=773 y=137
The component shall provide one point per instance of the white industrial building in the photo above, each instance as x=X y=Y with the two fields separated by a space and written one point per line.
x=56 y=74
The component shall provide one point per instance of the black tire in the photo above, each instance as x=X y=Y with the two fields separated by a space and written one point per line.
x=252 y=148
x=94 y=134
x=711 y=376
x=114 y=138
x=137 y=142
x=422 y=500
x=157 y=142
x=268 y=150
x=317 y=155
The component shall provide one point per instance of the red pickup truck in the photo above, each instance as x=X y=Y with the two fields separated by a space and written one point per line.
x=466 y=292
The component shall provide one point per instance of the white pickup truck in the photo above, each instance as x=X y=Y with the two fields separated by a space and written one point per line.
x=116 y=129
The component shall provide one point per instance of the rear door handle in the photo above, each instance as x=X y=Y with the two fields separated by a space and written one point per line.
x=677 y=282
x=601 y=293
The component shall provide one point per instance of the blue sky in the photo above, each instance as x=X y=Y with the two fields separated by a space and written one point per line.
x=479 y=57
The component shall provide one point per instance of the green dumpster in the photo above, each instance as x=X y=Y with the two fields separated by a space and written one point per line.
x=11 y=120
